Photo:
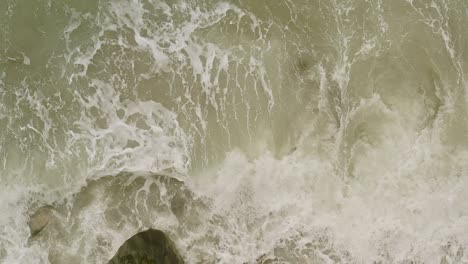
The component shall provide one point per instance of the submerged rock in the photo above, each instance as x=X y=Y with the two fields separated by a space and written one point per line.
x=39 y=219
x=150 y=246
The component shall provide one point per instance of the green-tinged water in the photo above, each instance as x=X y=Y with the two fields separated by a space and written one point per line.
x=297 y=131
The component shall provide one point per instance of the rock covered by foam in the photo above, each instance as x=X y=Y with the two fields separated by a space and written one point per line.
x=150 y=246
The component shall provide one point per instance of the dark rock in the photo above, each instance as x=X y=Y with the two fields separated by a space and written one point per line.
x=39 y=219
x=150 y=246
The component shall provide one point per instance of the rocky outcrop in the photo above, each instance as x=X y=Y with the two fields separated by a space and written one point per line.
x=150 y=246
x=39 y=219
x=111 y=204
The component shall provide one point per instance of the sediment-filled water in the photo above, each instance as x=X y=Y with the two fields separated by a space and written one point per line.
x=290 y=131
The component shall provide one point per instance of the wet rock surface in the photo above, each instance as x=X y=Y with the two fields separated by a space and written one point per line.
x=39 y=219
x=150 y=246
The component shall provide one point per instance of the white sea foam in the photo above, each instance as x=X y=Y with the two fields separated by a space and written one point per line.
x=325 y=132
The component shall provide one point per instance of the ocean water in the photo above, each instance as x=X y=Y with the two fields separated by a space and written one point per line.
x=250 y=131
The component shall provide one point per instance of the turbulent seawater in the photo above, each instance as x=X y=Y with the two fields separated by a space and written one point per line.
x=250 y=131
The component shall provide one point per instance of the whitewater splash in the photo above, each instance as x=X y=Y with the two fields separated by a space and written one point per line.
x=250 y=131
